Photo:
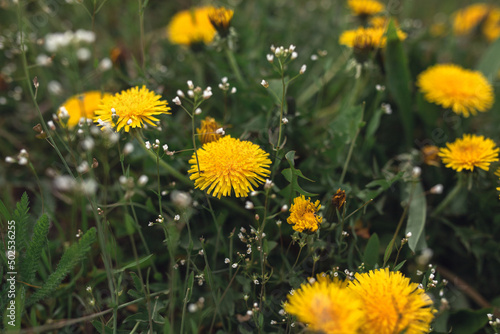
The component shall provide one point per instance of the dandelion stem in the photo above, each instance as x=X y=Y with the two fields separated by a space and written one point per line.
x=234 y=66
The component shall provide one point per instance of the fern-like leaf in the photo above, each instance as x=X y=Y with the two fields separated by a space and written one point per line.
x=68 y=261
x=21 y=218
x=29 y=265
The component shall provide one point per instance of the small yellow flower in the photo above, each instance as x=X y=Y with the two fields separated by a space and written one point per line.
x=327 y=306
x=392 y=303
x=191 y=26
x=467 y=19
x=82 y=105
x=367 y=38
x=303 y=215
x=491 y=26
x=365 y=7
x=130 y=109
x=221 y=20
x=229 y=164
x=430 y=155
x=338 y=199
x=464 y=91
x=207 y=132
x=468 y=152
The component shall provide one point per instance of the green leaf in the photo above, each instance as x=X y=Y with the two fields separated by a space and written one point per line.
x=467 y=321
x=133 y=264
x=398 y=80
x=189 y=288
x=388 y=250
x=31 y=262
x=370 y=257
x=4 y=211
x=416 y=218
x=399 y=265
x=74 y=254
x=292 y=175
x=489 y=64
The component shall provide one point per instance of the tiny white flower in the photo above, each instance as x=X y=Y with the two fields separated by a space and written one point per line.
x=192 y=307
x=284 y=120
x=380 y=88
x=148 y=145
x=264 y=83
x=416 y=171
x=190 y=84
x=226 y=260
x=129 y=122
x=270 y=58
x=437 y=189
x=314 y=57
x=190 y=93
x=207 y=93
x=143 y=179
x=294 y=55
x=234 y=265
x=408 y=235
x=303 y=69
x=10 y=160
x=51 y=125
x=291 y=47
x=197 y=111
x=249 y=205
x=284 y=208
x=220 y=131
x=128 y=148
x=22 y=161
x=177 y=100
x=180 y=93
x=165 y=148
x=233 y=90
x=224 y=80
x=105 y=64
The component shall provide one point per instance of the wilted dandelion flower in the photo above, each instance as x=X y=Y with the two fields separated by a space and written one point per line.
x=229 y=164
x=392 y=303
x=221 y=19
x=430 y=155
x=468 y=152
x=131 y=109
x=191 y=26
x=365 y=7
x=82 y=105
x=464 y=91
x=367 y=38
x=467 y=19
x=303 y=215
x=208 y=130
x=327 y=306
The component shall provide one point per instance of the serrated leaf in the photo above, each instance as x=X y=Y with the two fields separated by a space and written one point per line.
x=370 y=257
x=416 y=218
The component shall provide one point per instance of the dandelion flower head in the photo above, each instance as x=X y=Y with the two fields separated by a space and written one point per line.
x=491 y=26
x=468 y=152
x=303 y=215
x=191 y=26
x=327 y=306
x=467 y=19
x=82 y=105
x=131 y=108
x=464 y=91
x=365 y=7
x=221 y=19
x=227 y=165
x=207 y=131
x=367 y=38
x=392 y=303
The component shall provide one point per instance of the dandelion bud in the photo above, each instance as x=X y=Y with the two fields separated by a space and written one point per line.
x=270 y=58
x=177 y=100
x=437 y=189
x=190 y=84
x=264 y=83
x=303 y=69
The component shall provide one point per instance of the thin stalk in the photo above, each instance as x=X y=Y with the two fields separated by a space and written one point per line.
x=141 y=29
x=234 y=66
x=38 y=184
x=451 y=196
x=282 y=107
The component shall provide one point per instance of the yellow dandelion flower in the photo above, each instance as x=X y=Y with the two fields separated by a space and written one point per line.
x=468 y=152
x=207 y=132
x=338 y=199
x=191 y=27
x=221 y=19
x=467 y=19
x=229 y=164
x=130 y=109
x=497 y=172
x=464 y=91
x=303 y=215
x=430 y=155
x=367 y=38
x=327 y=306
x=82 y=105
x=491 y=26
x=392 y=303
x=365 y=7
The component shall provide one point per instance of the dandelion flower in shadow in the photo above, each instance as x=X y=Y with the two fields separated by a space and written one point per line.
x=192 y=26
x=130 y=108
x=392 y=303
x=327 y=306
x=228 y=165
x=303 y=215
x=221 y=19
x=365 y=8
x=491 y=26
x=367 y=38
x=468 y=152
x=81 y=106
x=467 y=19
x=450 y=86
x=207 y=132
